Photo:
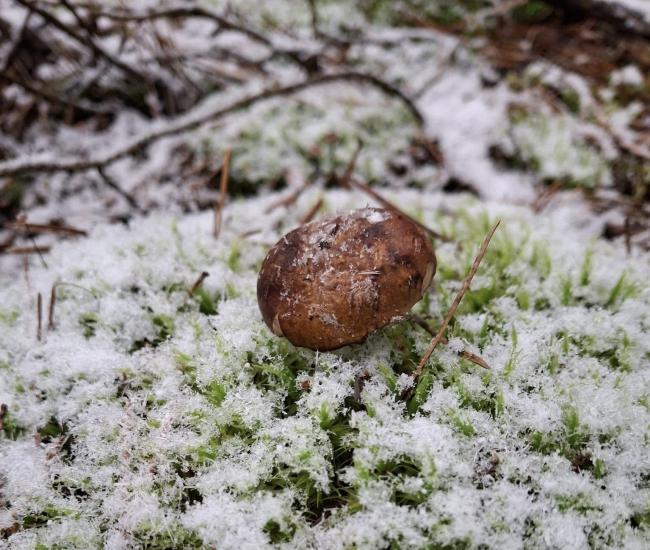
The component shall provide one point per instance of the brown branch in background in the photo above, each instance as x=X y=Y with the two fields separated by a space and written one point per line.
x=179 y=12
x=544 y=197
x=115 y=187
x=45 y=228
x=286 y=201
x=3 y=412
x=25 y=250
x=437 y=339
x=387 y=204
x=26 y=271
x=313 y=12
x=38 y=251
x=347 y=181
x=472 y=357
x=197 y=284
x=50 y=310
x=344 y=180
x=56 y=99
x=312 y=211
x=189 y=122
x=223 y=192
x=86 y=41
x=432 y=149
x=39 y=316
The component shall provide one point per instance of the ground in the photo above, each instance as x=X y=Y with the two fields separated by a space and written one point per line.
x=142 y=410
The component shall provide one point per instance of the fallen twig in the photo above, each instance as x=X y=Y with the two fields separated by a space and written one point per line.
x=3 y=412
x=115 y=187
x=25 y=250
x=198 y=283
x=312 y=211
x=85 y=41
x=223 y=192
x=50 y=312
x=472 y=357
x=39 y=316
x=437 y=339
x=387 y=204
x=45 y=228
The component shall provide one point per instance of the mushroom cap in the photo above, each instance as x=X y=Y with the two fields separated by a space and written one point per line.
x=332 y=282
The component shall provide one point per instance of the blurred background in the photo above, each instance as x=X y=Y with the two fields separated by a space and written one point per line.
x=110 y=110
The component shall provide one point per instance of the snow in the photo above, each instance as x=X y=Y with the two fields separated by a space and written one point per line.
x=150 y=425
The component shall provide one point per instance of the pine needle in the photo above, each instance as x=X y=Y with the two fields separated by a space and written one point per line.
x=438 y=338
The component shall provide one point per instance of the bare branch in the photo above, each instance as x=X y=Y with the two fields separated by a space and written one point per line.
x=50 y=314
x=45 y=228
x=387 y=204
x=223 y=193
x=39 y=316
x=25 y=250
x=197 y=284
x=86 y=41
x=113 y=185
x=312 y=211
x=194 y=120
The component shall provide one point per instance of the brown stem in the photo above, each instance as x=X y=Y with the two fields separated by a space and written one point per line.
x=454 y=306
x=312 y=211
x=39 y=316
x=223 y=193
x=197 y=284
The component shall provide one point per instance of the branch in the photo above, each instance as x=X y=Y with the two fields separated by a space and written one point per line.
x=439 y=337
x=223 y=192
x=55 y=99
x=222 y=21
x=85 y=41
x=194 y=120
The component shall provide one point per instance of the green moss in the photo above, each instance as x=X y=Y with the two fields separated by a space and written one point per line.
x=463 y=426
x=421 y=392
x=88 y=322
x=207 y=302
x=215 y=393
x=278 y=534
x=151 y=538
x=532 y=12
x=9 y=316
x=579 y=503
x=10 y=427
x=620 y=292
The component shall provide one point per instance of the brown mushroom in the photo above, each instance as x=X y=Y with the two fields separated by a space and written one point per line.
x=332 y=282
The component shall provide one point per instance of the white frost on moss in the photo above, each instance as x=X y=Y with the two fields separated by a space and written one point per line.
x=175 y=420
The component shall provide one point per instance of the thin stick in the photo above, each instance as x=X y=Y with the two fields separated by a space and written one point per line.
x=25 y=250
x=115 y=187
x=387 y=204
x=87 y=41
x=198 y=282
x=454 y=306
x=349 y=169
x=26 y=270
x=45 y=228
x=472 y=357
x=288 y=200
x=39 y=316
x=312 y=212
x=50 y=313
x=223 y=191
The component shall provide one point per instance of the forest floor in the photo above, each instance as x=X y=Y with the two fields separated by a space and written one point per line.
x=141 y=408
